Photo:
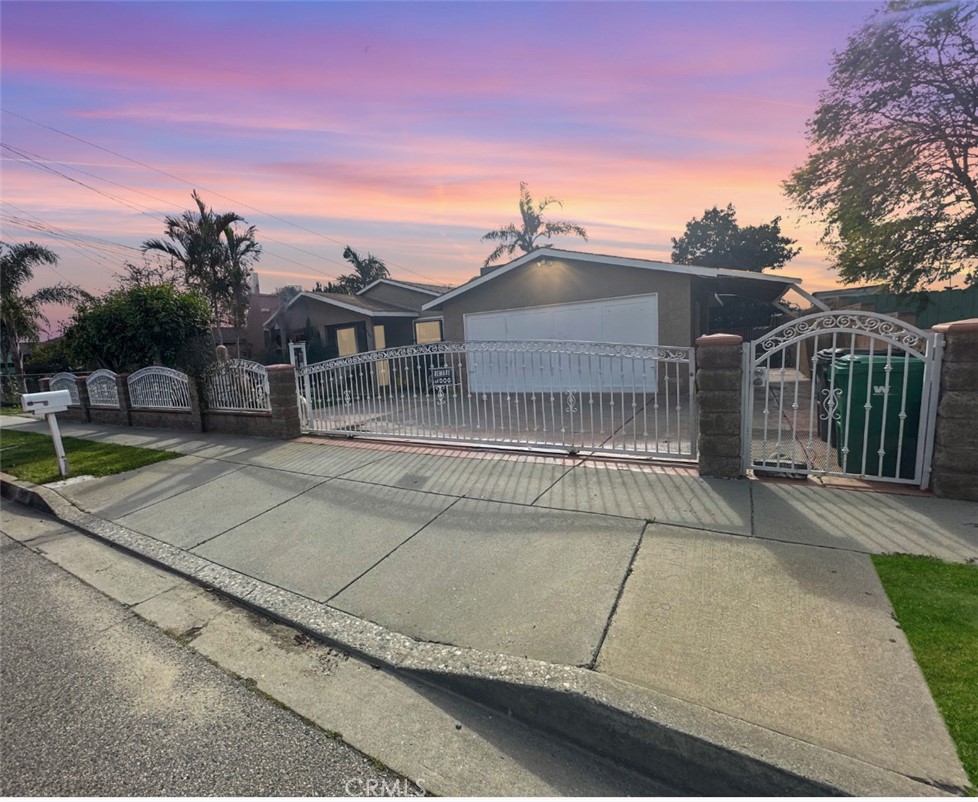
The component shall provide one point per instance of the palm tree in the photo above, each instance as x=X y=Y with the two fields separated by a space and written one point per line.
x=197 y=246
x=21 y=315
x=367 y=269
x=527 y=236
x=242 y=251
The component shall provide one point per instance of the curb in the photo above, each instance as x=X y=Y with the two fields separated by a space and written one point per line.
x=688 y=747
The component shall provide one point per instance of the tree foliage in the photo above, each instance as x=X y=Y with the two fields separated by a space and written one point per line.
x=366 y=270
x=51 y=356
x=532 y=229
x=21 y=314
x=717 y=240
x=893 y=143
x=142 y=325
x=215 y=255
x=151 y=271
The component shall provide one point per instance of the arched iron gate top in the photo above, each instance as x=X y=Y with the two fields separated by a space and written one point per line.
x=872 y=324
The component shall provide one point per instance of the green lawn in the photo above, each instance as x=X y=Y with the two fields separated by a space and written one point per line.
x=936 y=604
x=12 y=411
x=30 y=456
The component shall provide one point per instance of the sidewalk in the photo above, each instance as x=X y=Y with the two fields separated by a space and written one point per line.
x=751 y=600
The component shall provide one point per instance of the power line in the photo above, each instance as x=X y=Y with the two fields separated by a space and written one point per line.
x=146 y=210
x=192 y=184
x=42 y=158
x=96 y=259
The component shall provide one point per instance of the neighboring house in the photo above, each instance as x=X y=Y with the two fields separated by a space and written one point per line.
x=554 y=294
x=381 y=315
x=921 y=309
x=261 y=306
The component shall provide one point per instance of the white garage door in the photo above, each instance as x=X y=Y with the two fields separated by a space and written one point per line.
x=632 y=320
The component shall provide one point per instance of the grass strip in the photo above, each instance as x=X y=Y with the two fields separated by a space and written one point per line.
x=936 y=605
x=30 y=456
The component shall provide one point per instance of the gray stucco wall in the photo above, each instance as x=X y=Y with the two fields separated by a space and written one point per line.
x=319 y=315
x=566 y=281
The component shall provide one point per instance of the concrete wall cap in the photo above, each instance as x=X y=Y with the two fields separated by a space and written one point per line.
x=270 y=368
x=719 y=339
x=957 y=326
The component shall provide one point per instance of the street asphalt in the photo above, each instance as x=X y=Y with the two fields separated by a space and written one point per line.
x=96 y=702
x=753 y=599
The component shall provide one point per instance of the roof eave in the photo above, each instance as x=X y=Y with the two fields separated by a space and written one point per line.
x=617 y=261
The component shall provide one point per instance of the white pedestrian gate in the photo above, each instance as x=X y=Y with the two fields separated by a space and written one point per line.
x=577 y=397
x=842 y=394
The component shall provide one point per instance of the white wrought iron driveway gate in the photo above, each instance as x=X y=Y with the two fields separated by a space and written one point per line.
x=842 y=394
x=577 y=397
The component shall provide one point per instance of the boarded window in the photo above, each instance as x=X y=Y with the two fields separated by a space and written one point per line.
x=427 y=331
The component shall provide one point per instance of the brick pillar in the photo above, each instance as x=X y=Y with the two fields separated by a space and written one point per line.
x=285 y=404
x=125 y=402
x=955 y=465
x=84 y=403
x=196 y=409
x=719 y=402
x=45 y=384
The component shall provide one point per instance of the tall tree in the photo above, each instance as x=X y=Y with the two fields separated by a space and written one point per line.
x=366 y=270
x=197 y=241
x=21 y=314
x=242 y=251
x=893 y=146
x=717 y=240
x=532 y=229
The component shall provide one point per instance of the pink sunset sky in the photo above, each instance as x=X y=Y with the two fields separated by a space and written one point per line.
x=404 y=128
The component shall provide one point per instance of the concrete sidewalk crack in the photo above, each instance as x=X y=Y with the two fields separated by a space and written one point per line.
x=258 y=515
x=411 y=537
x=556 y=481
x=621 y=591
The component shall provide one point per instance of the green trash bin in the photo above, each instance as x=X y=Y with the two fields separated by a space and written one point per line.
x=869 y=380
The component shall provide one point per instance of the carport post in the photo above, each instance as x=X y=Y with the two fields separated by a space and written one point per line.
x=719 y=405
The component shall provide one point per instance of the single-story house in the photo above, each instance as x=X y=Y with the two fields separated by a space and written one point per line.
x=381 y=315
x=555 y=294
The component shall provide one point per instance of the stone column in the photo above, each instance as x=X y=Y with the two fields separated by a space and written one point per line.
x=125 y=402
x=719 y=403
x=284 y=402
x=955 y=465
x=84 y=403
x=196 y=409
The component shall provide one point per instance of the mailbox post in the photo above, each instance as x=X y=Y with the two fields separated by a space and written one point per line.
x=47 y=405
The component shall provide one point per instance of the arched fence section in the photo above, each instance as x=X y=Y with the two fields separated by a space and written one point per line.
x=578 y=397
x=103 y=391
x=238 y=385
x=159 y=388
x=69 y=382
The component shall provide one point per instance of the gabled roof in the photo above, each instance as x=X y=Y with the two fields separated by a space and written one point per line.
x=429 y=289
x=616 y=261
x=354 y=303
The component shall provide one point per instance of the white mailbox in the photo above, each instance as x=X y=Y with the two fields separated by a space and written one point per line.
x=42 y=403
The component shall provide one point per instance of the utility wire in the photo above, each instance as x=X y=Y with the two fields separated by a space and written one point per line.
x=205 y=189
x=146 y=210
x=45 y=159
